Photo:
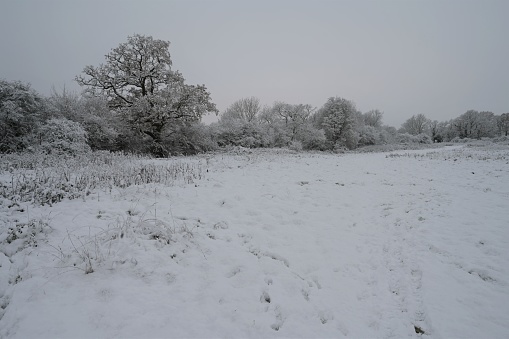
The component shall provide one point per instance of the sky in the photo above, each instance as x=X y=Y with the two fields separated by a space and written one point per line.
x=435 y=57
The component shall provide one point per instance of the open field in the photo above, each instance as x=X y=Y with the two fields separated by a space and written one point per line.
x=260 y=244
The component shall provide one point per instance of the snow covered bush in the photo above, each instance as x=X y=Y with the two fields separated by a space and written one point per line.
x=21 y=110
x=236 y=132
x=406 y=138
x=367 y=135
x=424 y=138
x=62 y=136
x=100 y=123
x=312 y=138
x=22 y=235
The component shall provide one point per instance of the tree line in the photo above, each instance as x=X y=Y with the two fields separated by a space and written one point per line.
x=136 y=102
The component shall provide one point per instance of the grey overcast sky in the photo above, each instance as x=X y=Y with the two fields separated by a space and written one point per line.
x=436 y=57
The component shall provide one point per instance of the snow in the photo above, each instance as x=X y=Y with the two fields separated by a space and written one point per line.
x=274 y=244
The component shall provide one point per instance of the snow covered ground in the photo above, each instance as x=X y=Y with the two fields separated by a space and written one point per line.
x=272 y=244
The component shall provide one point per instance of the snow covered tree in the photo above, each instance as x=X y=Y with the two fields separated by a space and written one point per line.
x=448 y=130
x=21 y=111
x=239 y=126
x=244 y=109
x=297 y=119
x=417 y=124
x=503 y=124
x=336 y=117
x=373 y=118
x=137 y=80
x=476 y=125
x=293 y=118
x=488 y=125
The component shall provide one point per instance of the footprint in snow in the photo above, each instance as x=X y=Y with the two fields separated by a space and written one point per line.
x=305 y=294
x=325 y=316
x=279 y=319
x=265 y=297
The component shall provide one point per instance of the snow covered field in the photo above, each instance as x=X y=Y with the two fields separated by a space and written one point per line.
x=271 y=244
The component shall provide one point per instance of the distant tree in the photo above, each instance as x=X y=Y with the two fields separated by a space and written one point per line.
x=337 y=119
x=503 y=124
x=279 y=125
x=373 y=118
x=448 y=130
x=476 y=125
x=244 y=109
x=296 y=117
x=267 y=116
x=417 y=124
x=467 y=124
x=488 y=125
x=280 y=111
x=137 y=81
x=434 y=127
x=296 y=122
x=22 y=110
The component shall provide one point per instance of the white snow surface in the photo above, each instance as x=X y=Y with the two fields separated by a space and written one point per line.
x=275 y=244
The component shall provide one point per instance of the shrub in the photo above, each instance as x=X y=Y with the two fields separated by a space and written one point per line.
x=23 y=235
x=367 y=136
x=312 y=138
x=236 y=132
x=62 y=136
x=406 y=138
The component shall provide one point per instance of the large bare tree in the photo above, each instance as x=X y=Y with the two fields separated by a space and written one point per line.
x=137 y=81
